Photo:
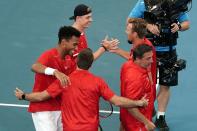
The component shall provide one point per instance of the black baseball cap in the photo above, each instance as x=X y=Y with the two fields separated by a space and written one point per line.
x=81 y=10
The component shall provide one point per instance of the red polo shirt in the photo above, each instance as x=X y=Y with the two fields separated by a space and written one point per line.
x=49 y=58
x=153 y=68
x=52 y=59
x=80 y=101
x=134 y=85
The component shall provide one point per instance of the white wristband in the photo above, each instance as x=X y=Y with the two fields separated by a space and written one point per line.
x=49 y=71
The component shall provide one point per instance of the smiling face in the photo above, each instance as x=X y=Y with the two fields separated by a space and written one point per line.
x=70 y=45
x=146 y=60
x=85 y=20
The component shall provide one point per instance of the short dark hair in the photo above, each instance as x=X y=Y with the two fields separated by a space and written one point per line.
x=67 y=32
x=139 y=26
x=85 y=59
x=140 y=50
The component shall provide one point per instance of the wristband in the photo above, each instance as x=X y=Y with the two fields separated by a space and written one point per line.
x=23 y=96
x=104 y=47
x=49 y=71
x=179 y=25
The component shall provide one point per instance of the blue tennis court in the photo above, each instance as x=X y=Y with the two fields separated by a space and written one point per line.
x=30 y=27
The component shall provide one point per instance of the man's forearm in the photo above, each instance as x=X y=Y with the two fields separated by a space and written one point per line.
x=185 y=25
x=124 y=54
x=37 y=96
x=124 y=102
x=138 y=115
x=98 y=53
x=38 y=68
x=42 y=69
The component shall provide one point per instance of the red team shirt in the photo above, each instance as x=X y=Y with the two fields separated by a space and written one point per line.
x=51 y=58
x=134 y=85
x=82 y=45
x=153 y=68
x=80 y=101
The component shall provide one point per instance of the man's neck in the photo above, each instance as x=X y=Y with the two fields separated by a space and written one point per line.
x=138 y=41
x=80 y=69
x=78 y=27
x=61 y=52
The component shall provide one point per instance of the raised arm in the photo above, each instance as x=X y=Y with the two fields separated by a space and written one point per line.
x=33 y=97
x=106 y=45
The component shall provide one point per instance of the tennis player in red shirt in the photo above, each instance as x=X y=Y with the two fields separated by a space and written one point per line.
x=82 y=20
x=80 y=100
x=136 y=31
x=135 y=83
x=46 y=114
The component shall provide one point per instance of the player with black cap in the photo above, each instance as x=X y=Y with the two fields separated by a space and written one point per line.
x=82 y=19
x=81 y=10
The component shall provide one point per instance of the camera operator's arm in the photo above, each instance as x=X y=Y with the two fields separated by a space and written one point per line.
x=153 y=29
x=183 y=23
x=180 y=26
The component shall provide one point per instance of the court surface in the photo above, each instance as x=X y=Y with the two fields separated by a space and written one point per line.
x=28 y=27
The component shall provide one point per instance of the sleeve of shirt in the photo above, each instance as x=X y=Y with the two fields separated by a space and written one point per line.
x=134 y=89
x=138 y=10
x=44 y=58
x=55 y=89
x=105 y=91
x=183 y=17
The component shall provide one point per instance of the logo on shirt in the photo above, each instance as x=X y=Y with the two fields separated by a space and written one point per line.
x=65 y=67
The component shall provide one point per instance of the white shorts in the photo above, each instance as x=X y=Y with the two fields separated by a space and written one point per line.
x=47 y=121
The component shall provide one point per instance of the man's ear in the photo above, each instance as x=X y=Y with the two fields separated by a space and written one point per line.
x=136 y=35
x=77 y=17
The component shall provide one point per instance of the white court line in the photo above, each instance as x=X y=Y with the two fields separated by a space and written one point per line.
x=13 y=105
x=114 y=112
x=18 y=105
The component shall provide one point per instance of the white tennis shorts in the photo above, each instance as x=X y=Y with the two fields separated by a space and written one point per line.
x=47 y=121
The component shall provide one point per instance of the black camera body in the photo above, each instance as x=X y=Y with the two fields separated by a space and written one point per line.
x=165 y=9
x=163 y=14
x=171 y=67
x=180 y=65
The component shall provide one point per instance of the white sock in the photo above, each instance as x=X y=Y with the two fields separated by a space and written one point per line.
x=160 y=114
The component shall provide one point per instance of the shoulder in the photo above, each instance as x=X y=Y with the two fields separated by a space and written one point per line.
x=140 y=3
x=183 y=17
x=132 y=74
x=138 y=10
x=51 y=51
x=127 y=64
x=47 y=54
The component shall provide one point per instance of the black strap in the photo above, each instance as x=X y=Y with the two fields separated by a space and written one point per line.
x=146 y=3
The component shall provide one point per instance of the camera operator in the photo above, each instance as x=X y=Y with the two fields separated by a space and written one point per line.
x=165 y=52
